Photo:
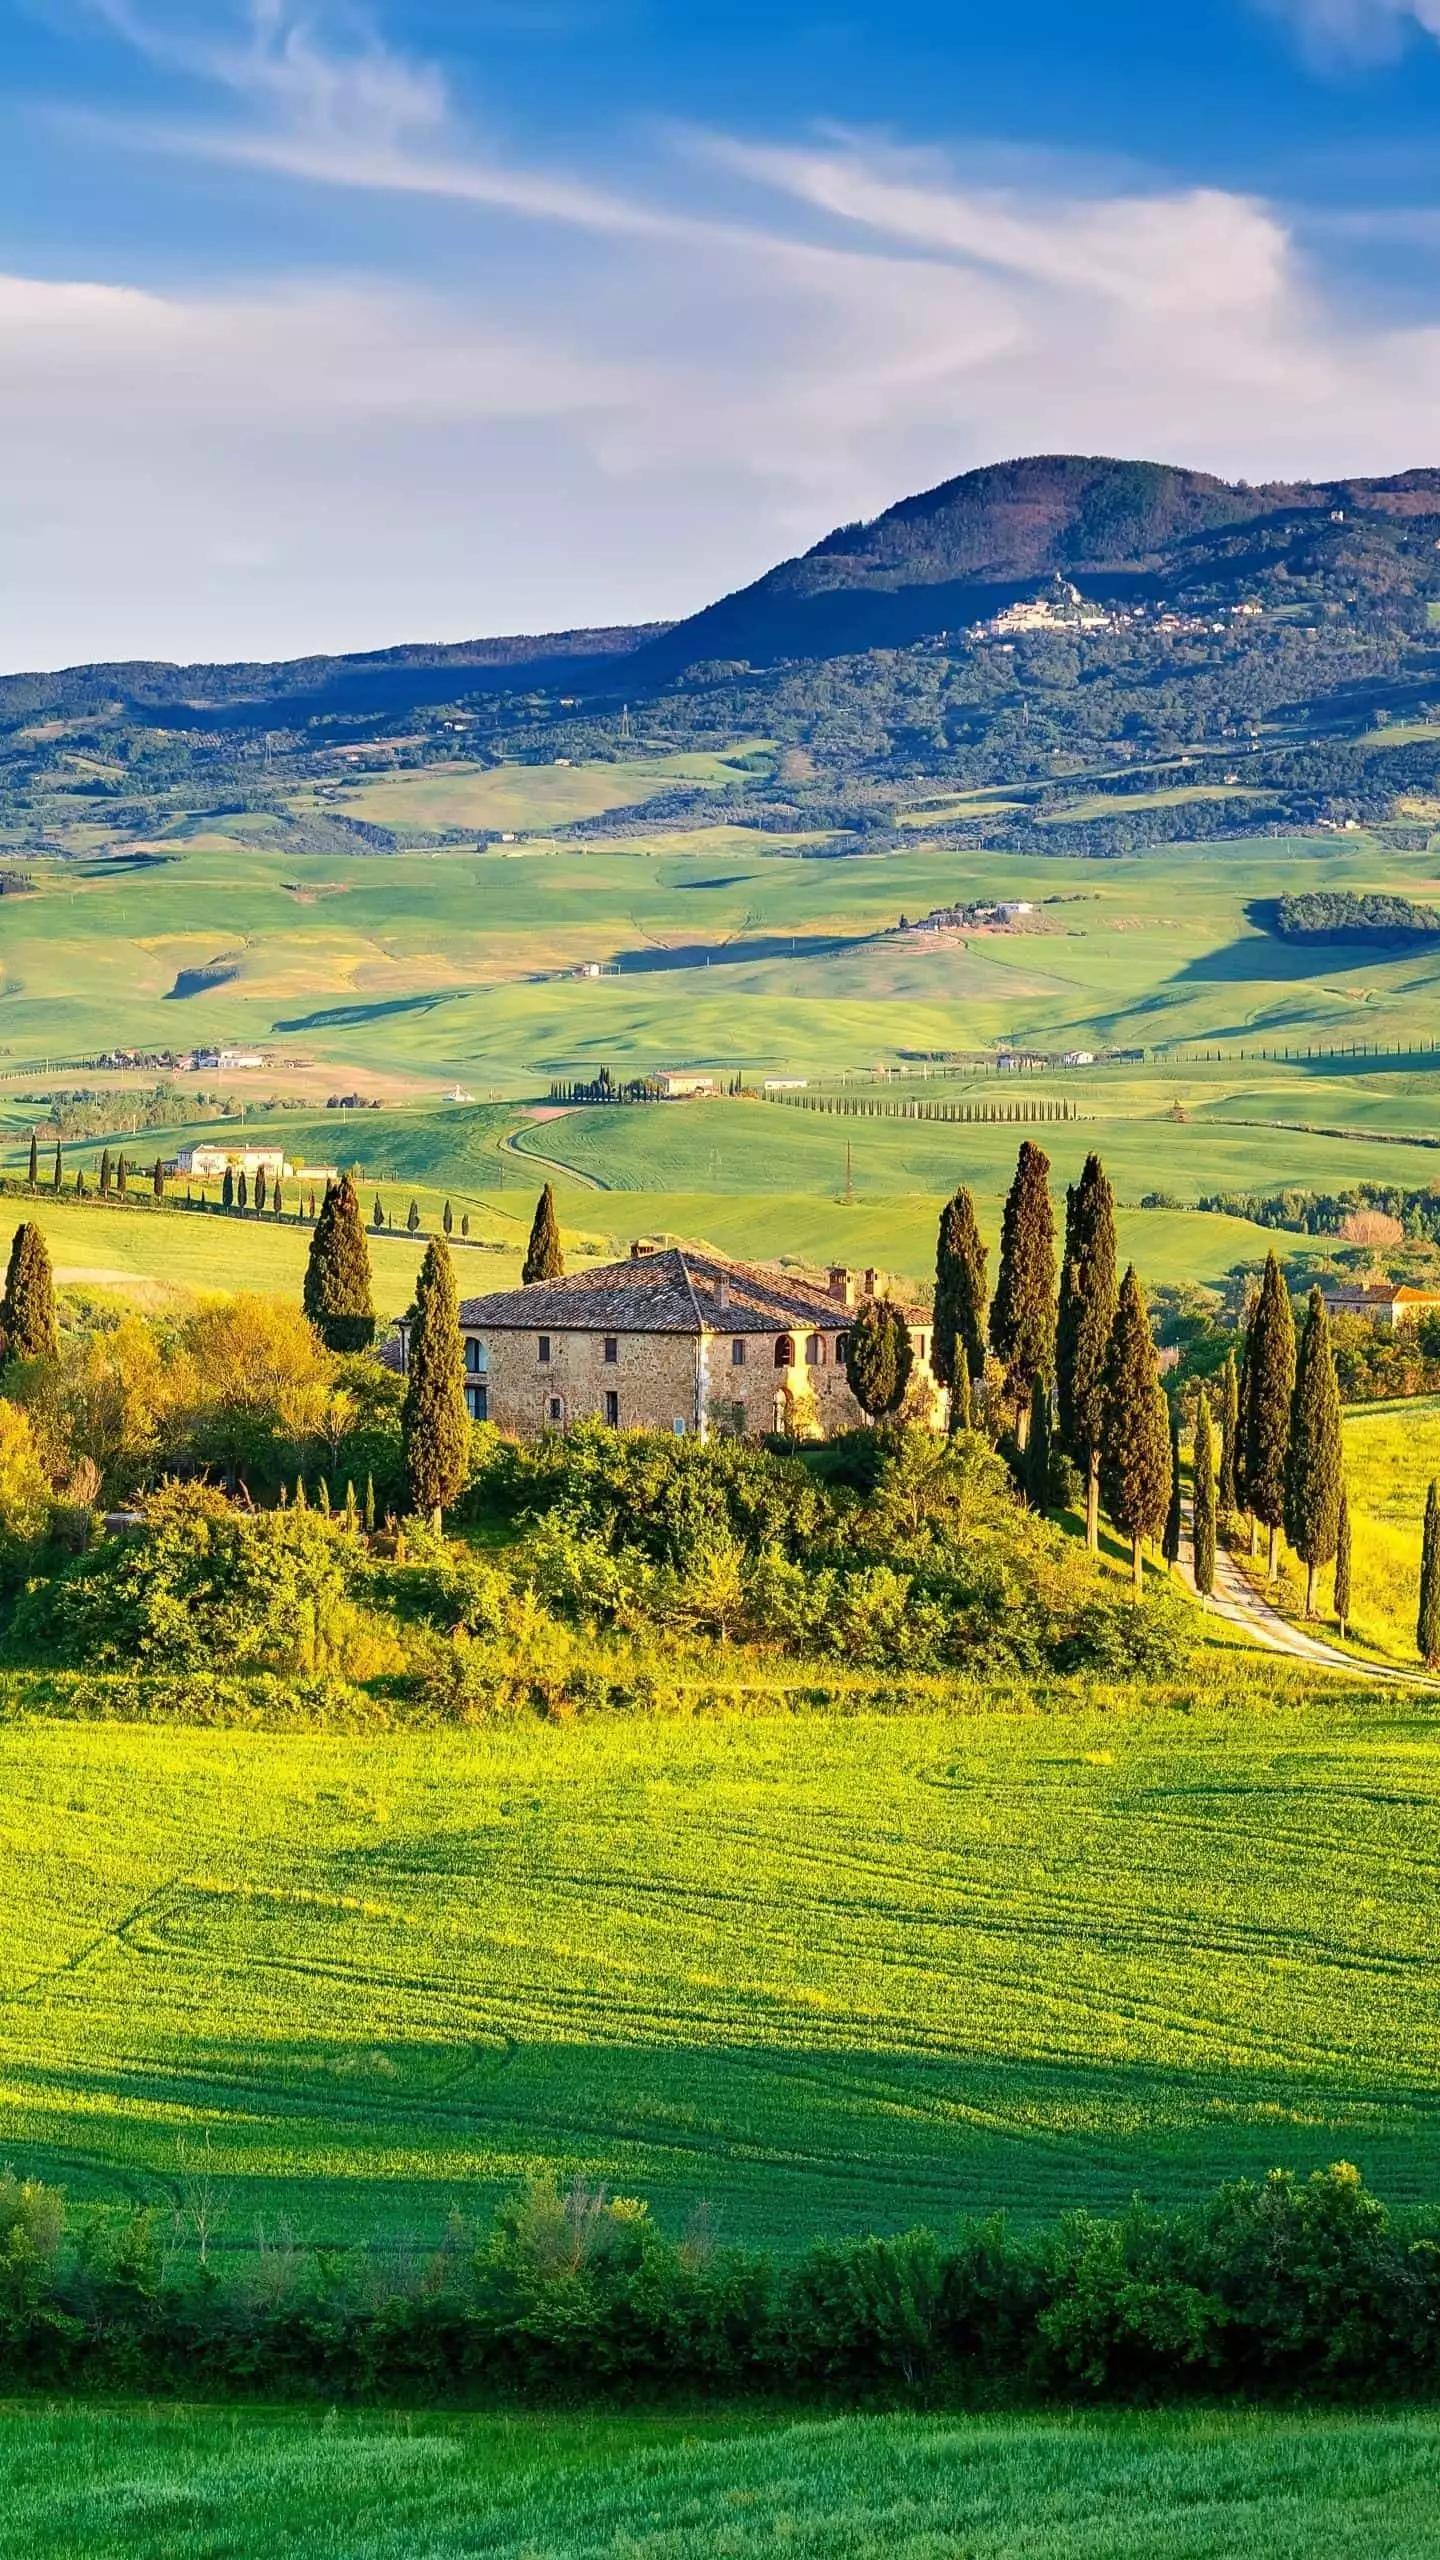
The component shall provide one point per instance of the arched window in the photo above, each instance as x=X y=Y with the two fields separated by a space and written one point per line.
x=842 y=1349
x=815 y=1351
x=785 y=1352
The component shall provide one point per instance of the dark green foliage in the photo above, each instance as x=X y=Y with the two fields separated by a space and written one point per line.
x=447 y=1219
x=157 y=1178
x=58 y=1175
x=1345 y=915
x=122 y=1176
x=1135 y=1451
x=261 y=1191
x=412 y=1217
x=1427 y=1625
x=957 y=1354
x=543 y=1257
x=1283 y=2287
x=1086 y=1318
x=338 y=1297
x=1204 y=1536
x=465 y=1224
x=104 y=1182
x=1229 y=1485
x=434 y=1425
x=1035 y=1463
x=27 y=1307
x=242 y=1191
x=369 y=1511
x=227 y=1190
x=377 y=1214
x=1022 y=1313
x=1315 y=1462
x=1270 y=1393
x=879 y=1356
x=1170 y=1545
x=33 y=1175
x=1344 y=1565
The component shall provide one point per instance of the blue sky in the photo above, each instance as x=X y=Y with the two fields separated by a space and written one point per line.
x=327 y=326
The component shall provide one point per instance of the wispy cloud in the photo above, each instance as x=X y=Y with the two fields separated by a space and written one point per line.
x=1364 y=29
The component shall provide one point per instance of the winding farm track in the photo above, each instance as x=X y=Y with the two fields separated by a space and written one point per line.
x=1236 y=1600
x=509 y=1145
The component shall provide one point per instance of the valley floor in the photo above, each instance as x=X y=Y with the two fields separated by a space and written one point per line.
x=142 y=2484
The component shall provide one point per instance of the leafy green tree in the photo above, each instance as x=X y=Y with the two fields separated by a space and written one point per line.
x=1204 y=1533
x=1036 y=1466
x=1427 y=1627
x=1228 y=1491
x=24 y=1492
x=879 y=1357
x=962 y=1291
x=1086 y=1318
x=1135 y=1451
x=338 y=1296
x=27 y=1307
x=1270 y=1389
x=434 y=1425
x=1174 y=1517
x=1022 y=1313
x=1315 y=1461
x=1344 y=1566
x=543 y=1257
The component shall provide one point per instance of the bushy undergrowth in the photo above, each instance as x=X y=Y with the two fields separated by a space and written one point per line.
x=1282 y=2286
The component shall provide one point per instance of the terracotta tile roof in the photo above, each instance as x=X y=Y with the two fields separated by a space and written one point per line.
x=677 y=1289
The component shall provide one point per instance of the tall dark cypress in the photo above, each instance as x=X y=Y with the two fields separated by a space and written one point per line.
x=962 y=1290
x=1204 y=1529
x=1135 y=1451
x=1170 y=1544
x=104 y=1182
x=1270 y=1393
x=447 y=1219
x=33 y=1176
x=58 y=1175
x=1037 y=1449
x=1086 y=1318
x=434 y=1425
x=157 y=1178
x=1022 y=1313
x=1427 y=1625
x=122 y=1177
x=1228 y=1496
x=543 y=1257
x=338 y=1297
x=227 y=1190
x=27 y=1307
x=1344 y=1566
x=1315 y=1464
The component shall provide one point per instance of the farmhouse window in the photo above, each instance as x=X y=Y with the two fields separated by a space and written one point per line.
x=477 y=1403
x=477 y=1358
x=612 y=1408
x=785 y=1352
x=737 y=1352
x=814 y=1352
x=842 y=1349
x=612 y=1350
x=557 y=1408
x=542 y=1352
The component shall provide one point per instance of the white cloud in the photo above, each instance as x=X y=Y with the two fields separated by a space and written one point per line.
x=1368 y=28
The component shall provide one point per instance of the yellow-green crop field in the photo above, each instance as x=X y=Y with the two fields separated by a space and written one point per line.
x=1391 y=1453
x=153 y=2484
x=819 y=1973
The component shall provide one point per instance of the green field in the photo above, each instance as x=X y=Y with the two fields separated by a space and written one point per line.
x=819 y=1973
x=1391 y=1453
x=178 y=2485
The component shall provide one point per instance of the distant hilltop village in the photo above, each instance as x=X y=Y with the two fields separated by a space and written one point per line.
x=1064 y=609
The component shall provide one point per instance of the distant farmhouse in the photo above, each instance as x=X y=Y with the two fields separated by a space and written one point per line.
x=1386 y=1302
x=675 y=1339
x=211 y=1163
x=683 y=1086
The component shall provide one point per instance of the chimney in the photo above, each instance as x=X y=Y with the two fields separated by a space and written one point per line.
x=872 y=1284
x=722 y=1293
x=842 y=1284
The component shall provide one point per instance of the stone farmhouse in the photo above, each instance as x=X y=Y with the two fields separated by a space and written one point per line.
x=1386 y=1302
x=676 y=1339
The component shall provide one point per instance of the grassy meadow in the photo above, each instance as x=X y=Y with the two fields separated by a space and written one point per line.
x=147 y=2484
x=819 y=1974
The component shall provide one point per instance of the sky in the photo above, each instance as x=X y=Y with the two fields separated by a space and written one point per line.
x=326 y=325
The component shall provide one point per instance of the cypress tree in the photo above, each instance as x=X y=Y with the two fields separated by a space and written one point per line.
x=434 y=1425
x=879 y=1356
x=543 y=1257
x=1270 y=1386
x=1170 y=1545
x=27 y=1307
x=122 y=1176
x=322 y=1499
x=261 y=1188
x=1086 y=1318
x=157 y=1179
x=447 y=1219
x=301 y=1502
x=104 y=1183
x=1427 y=1625
x=1344 y=1566
x=370 y=1506
x=412 y=1220
x=352 y=1507
x=242 y=1193
x=957 y=1350
x=1036 y=1470
x=465 y=1222
x=1228 y=1497
x=34 y=1173
x=1204 y=1536
x=1315 y=1463
x=278 y=1203
x=227 y=1190
x=59 y=1174
x=338 y=1298
x=378 y=1219
x=1022 y=1313
x=1135 y=1449
x=79 y=1182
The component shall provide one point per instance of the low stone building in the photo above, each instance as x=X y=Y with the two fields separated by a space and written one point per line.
x=676 y=1339
x=1393 y=1303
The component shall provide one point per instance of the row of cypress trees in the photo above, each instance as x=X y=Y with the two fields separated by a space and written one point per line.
x=1074 y=1345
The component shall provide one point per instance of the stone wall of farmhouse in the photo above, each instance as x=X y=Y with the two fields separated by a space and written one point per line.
x=665 y=1382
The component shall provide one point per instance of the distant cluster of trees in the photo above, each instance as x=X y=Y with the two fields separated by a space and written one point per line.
x=1345 y=915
